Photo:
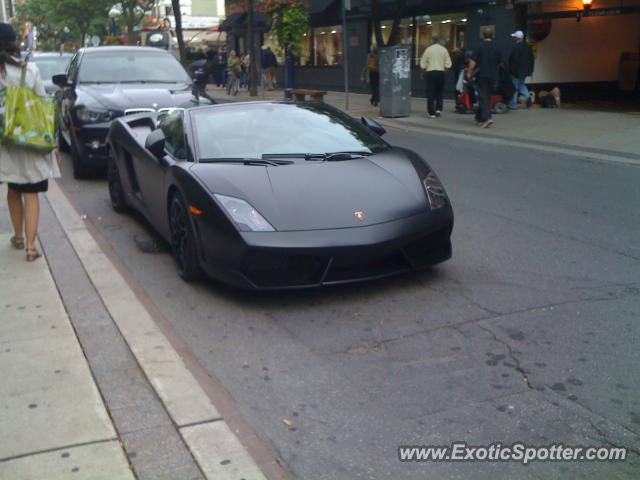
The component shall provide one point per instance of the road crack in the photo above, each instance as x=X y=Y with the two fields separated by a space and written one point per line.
x=518 y=367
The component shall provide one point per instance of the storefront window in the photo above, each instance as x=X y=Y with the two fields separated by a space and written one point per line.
x=327 y=46
x=449 y=28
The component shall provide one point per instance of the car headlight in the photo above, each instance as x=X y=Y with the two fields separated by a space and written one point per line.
x=244 y=215
x=435 y=191
x=93 y=116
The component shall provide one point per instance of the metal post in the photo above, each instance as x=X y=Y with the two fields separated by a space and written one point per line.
x=345 y=45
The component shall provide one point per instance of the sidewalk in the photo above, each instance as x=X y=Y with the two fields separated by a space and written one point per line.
x=53 y=421
x=607 y=132
x=94 y=384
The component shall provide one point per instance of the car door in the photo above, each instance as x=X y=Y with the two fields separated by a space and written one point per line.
x=152 y=171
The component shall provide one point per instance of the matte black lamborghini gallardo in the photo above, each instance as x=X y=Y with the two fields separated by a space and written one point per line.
x=272 y=195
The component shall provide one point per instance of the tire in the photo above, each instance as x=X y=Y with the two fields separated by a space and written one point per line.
x=116 y=192
x=63 y=146
x=79 y=170
x=183 y=242
x=500 y=108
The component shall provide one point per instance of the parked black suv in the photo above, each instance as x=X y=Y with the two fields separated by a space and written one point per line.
x=103 y=83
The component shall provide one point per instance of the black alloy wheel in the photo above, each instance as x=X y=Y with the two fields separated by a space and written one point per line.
x=63 y=146
x=183 y=245
x=116 y=192
x=79 y=170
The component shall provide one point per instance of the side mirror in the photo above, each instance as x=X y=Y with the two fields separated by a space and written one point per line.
x=155 y=143
x=374 y=126
x=61 y=80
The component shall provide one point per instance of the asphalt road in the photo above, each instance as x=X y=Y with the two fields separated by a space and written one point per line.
x=529 y=334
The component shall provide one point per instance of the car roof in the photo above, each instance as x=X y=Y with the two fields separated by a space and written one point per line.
x=51 y=54
x=122 y=48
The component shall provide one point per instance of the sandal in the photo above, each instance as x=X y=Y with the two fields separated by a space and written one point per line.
x=33 y=254
x=18 y=243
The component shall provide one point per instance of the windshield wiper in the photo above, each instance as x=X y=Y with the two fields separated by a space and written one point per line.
x=245 y=161
x=336 y=156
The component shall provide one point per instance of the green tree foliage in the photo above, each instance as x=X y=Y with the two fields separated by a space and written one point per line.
x=132 y=15
x=289 y=22
x=52 y=17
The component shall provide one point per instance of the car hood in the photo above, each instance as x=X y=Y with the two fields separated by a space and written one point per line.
x=324 y=195
x=118 y=97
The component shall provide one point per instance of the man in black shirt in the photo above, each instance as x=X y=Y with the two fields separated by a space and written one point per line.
x=486 y=59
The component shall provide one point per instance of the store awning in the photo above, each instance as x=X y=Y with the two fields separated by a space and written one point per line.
x=319 y=6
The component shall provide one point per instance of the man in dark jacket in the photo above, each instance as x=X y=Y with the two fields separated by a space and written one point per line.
x=520 y=67
x=269 y=63
x=484 y=63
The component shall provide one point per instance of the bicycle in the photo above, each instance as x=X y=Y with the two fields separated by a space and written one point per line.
x=233 y=83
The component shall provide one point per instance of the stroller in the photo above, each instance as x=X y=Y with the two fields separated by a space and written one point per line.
x=466 y=100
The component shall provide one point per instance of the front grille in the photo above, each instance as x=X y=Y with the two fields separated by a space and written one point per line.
x=344 y=269
x=133 y=111
x=431 y=249
x=273 y=269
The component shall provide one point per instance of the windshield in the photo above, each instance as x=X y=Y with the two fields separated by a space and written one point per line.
x=252 y=131
x=50 y=66
x=144 y=66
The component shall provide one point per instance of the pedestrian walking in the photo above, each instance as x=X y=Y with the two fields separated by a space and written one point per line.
x=520 y=67
x=371 y=75
x=483 y=66
x=245 y=60
x=268 y=63
x=220 y=67
x=26 y=172
x=434 y=61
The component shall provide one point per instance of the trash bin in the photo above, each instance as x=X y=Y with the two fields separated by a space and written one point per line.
x=395 y=81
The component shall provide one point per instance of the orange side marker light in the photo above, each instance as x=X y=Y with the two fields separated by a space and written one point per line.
x=195 y=211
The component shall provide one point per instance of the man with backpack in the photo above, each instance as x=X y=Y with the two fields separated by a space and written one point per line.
x=520 y=67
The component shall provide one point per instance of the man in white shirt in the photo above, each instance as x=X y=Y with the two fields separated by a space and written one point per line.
x=435 y=60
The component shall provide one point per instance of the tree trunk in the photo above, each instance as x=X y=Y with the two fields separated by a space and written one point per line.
x=375 y=14
x=251 y=49
x=395 y=29
x=178 y=16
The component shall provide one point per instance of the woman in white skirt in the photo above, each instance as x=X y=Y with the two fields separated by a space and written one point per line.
x=27 y=173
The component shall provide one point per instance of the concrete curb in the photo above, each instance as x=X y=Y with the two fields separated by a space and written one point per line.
x=217 y=450
x=501 y=141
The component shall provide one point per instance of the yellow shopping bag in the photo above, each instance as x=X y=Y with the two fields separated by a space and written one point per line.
x=28 y=120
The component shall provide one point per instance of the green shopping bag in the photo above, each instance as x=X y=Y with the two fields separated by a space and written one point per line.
x=27 y=119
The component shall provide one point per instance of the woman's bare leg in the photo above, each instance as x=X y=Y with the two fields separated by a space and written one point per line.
x=16 y=210
x=31 y=218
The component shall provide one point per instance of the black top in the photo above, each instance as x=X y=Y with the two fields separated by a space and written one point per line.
x=487 y=57
x=521 y=61
x=268 y=59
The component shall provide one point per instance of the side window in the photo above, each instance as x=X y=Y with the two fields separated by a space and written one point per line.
x=173 y=127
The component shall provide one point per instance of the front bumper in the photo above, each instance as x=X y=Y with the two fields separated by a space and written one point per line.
x=91 y=144
x=304 y=259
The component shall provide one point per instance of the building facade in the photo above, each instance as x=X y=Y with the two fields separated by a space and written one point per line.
x=583 y=46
